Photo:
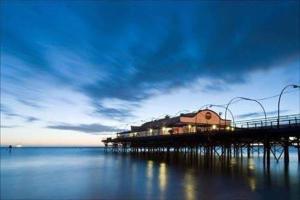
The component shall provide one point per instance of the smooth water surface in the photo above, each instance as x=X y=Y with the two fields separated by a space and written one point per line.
x=90 y=173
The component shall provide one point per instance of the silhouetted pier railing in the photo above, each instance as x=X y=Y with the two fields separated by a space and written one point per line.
x=271 y=122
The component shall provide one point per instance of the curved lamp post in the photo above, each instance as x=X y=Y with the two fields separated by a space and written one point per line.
x=205 y=106
x=279 y=99
x=247 y=99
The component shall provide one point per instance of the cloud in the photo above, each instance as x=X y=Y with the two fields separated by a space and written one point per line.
x=260 y=114
x=11 y=126
x=94 y=129
x=215 y=86
x=4 y=108
x=31 y=119
x=114 y=108
x=113 y=112
x=106 y=50
x=168 y=66
x=30 y=103
x=228 y=43
x=8 y=112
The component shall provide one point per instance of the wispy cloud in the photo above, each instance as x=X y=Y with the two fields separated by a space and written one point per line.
x=114 y=113
x=215 y=86
x=260 y=114
x=30 y=103
x=5 y=110
x=9 y=126
x=31 y=119
x=94 y=129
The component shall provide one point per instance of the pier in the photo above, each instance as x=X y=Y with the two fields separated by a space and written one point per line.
x=269 y=137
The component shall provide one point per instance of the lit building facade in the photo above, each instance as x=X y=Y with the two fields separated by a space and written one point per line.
x=197 y=122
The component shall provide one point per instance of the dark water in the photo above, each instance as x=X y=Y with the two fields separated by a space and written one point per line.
x=90 y=173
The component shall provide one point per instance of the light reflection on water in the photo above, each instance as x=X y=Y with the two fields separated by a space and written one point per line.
x=163 y=176
x=89 y=173
x=190 y=185
x=149 y=178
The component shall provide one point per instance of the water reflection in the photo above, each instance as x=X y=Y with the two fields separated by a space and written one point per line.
x=149 y=169
x=233 y=177
x=233 y=162
x=251 y=164
x=251 y=174
x=190 y=185
x=162 y=176
x=149 y=175
x=252 y=183
x=92 y=174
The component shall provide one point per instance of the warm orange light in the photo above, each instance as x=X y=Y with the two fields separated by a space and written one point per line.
x=163 y=130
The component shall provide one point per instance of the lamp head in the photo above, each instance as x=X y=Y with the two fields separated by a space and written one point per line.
x=296 y=86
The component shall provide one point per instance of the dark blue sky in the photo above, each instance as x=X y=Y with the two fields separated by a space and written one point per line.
x=91 y=65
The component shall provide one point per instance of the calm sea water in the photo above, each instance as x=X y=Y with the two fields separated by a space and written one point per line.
x=90 y=173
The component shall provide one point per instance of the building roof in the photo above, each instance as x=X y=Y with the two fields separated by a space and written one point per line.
x=189 y=114
x=165 y=122
x=156 y=124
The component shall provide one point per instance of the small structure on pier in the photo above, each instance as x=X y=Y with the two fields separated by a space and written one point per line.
x=201 y=121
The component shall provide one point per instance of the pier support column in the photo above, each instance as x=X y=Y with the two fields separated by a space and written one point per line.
x=229 y=151
x=241 y=149
x=286 y=151
x=264 y=153
x=298 y=149
x=248 y=151
x=267 y=154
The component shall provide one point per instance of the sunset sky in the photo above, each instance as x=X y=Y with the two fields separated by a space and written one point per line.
x=73 y=72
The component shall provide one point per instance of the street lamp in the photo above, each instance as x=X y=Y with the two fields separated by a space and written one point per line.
x=247 y=99
x=279 y=99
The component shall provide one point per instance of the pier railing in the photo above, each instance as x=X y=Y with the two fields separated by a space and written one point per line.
x=271 y=122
